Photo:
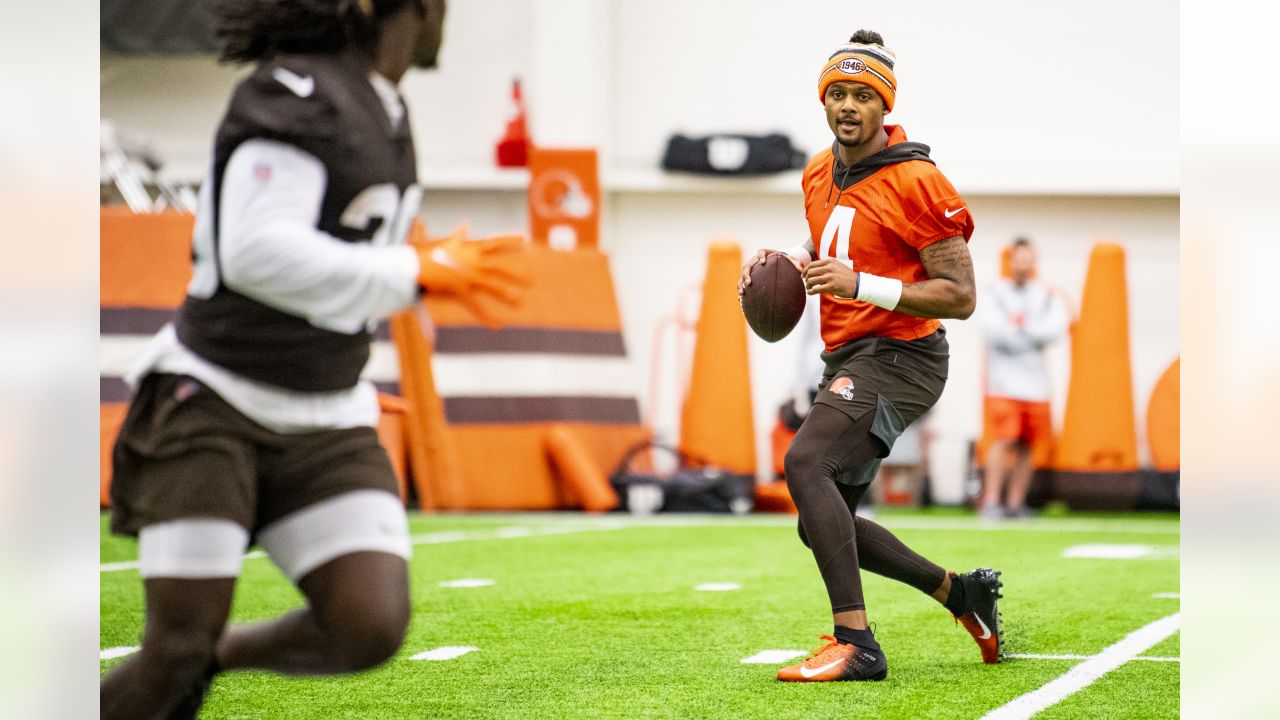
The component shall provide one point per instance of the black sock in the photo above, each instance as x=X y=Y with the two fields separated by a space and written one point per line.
x=859 y=638
x=955 y=599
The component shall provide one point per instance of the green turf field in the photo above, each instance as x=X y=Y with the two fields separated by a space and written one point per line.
x=597 y=617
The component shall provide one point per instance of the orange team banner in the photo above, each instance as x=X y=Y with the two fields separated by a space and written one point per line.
x=564 y=198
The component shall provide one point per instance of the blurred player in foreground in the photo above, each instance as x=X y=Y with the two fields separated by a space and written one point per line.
x=888 y=253
x=249 y=421
x=1021 y=317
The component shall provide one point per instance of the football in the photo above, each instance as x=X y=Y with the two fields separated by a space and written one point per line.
x=775 y=299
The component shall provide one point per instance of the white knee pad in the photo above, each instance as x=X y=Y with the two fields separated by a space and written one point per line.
x=192 y=549
x=356 y=521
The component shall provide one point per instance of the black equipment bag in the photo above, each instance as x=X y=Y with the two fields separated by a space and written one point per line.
x=730 y=154
x=704 y=489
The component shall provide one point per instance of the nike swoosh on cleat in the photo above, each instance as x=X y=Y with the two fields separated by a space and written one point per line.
x=298 y=85
x=986 y=631
x=806 y=672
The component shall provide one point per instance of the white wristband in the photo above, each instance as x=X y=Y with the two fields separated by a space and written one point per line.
x=879 y=291
x=799 y=252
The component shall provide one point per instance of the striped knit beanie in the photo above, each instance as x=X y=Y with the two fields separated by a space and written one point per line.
x=864 y=63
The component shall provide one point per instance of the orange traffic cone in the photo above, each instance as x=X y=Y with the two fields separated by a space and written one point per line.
x=716 y=423
x=1097 y=454
x=513 y=148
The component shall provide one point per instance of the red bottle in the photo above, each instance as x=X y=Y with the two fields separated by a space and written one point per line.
x=513 y=148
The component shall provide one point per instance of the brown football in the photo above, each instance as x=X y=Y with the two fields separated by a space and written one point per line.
x=775 y=299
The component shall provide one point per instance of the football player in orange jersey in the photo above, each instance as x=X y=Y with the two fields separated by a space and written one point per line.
x=887 y=252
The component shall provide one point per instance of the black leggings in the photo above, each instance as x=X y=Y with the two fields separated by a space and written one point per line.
x=828 y=444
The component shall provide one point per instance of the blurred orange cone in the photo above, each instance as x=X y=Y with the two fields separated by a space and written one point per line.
x=716 y=421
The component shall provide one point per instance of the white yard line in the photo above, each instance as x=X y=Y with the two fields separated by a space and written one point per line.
x=115 y=652
x=1113 y=551
x=1168 y=596
x=772 y=657
x=1087 y=672
x=466 y=583
x=448 y=652
x=717 y=586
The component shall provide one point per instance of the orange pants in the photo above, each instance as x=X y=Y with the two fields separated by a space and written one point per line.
x=1027 y=422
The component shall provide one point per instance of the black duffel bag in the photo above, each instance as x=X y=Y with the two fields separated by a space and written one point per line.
x=689 y=488
x=730 y=154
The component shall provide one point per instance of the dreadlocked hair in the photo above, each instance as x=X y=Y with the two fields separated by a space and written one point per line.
x=255 y=30
x=867 y=37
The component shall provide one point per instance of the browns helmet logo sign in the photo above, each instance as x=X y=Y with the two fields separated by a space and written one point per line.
x=852 y=66
x=843 y=387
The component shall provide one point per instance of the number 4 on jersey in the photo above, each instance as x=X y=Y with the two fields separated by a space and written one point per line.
x=835 y=236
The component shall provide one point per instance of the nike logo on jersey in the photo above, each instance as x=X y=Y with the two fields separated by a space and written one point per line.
x=986 y=631
x=298 y=85
x=810 y=672
x=950 y=213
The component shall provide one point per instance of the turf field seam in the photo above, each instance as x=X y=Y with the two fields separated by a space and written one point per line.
x=1087 y=672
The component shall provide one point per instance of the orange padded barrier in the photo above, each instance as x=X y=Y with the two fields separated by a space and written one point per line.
x=1164 y=416
x=145 y=259
x=587 y=482
x=497 y=424
x=432 y=456
x=1098 y=433
x=716 y=424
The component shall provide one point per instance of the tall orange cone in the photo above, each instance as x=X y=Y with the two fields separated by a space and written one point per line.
x=716 y=422
x=1097 y=454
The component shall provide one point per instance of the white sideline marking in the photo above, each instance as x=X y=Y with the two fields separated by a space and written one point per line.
x=1167 y=596
x=1109 y=551
x=718 y=586
x=772 y=657
x=447 y=652
x=1158 y=659
x=1084 y=674
x=115 y=652
x=467 y=583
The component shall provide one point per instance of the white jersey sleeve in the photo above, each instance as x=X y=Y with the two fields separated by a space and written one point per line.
x=270 y=249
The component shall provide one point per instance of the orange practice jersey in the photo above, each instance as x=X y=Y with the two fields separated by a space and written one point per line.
x=881 y=224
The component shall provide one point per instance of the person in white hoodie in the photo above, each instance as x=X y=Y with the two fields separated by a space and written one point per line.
x=1021 y=316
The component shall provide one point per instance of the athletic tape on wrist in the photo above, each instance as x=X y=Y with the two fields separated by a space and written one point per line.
x=879 y=291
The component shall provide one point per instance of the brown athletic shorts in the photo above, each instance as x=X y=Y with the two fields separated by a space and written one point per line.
x=184 y=452
x=898 y=380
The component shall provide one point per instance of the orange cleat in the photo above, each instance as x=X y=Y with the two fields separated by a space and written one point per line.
x=836 y=661
x=981 y=618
